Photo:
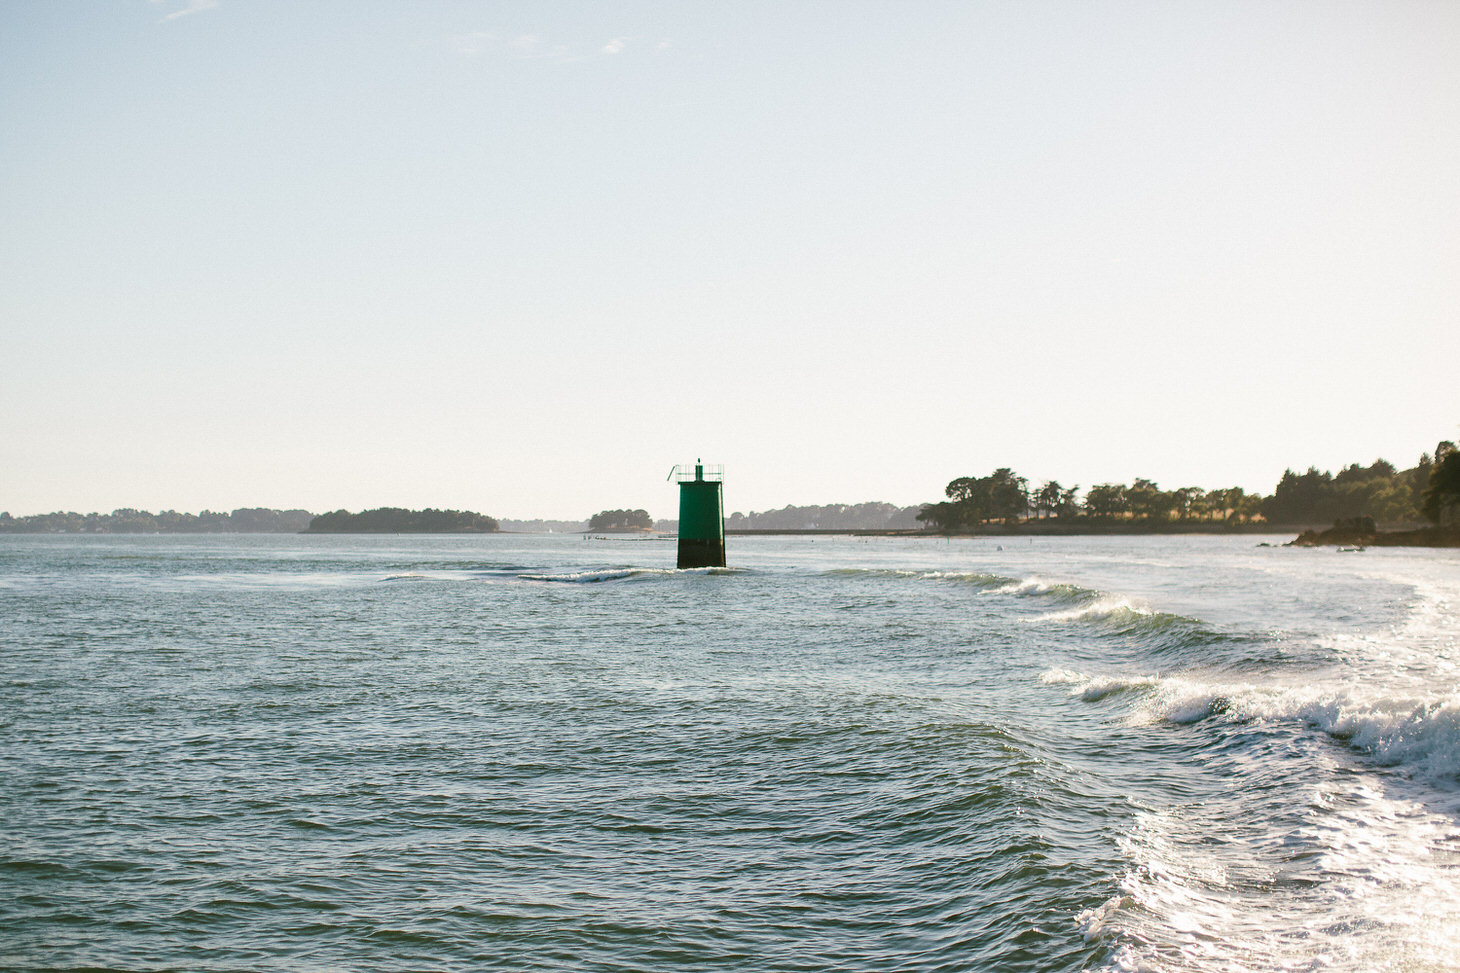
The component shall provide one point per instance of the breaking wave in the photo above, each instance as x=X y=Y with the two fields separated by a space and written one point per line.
x=978 y=579
x=1421 y=733
x=1056 y=591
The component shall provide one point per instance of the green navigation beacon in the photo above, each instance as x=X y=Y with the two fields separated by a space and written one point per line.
x=701 y=515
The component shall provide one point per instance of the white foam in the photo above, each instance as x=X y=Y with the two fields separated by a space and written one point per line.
x=991 y=583
x=597 y=575
x=1198 y=897
x=1099 y=609
x=1062 y=677
x=1035 y=585
x=1092 y=922
x=591 y=577
x=1418 y=731
x=1423 y=733
x=1097 y=689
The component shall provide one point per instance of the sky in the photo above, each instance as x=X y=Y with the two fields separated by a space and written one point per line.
x=522 y=258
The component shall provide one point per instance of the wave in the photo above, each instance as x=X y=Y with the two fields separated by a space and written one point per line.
x=1111 y=616
x=594 y=576
x=1158 y=631
x=600 y=575
x=979 y=579
x=1421 y=733
x=994 y=584
x=1094 y=689
x=976 y=578
x=1057 y=591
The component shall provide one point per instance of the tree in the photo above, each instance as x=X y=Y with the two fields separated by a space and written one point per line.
x=621 y=520
x=1107 y=500
x=1222 y=504
x=1008 y=494
x=1047 y=498
x=1187 y=500
x=1442 y=495
x=1301 y=498
x=1419 y=480
x=961 y=489
x=1068 y=506
x=973 y=498
x=397 y=520
x=1150 y=501
x=1378 y=491
x=940 y=516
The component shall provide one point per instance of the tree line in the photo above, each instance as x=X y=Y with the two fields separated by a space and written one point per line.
x=245 y=520
x=621 y=520
x=871 y=515
x=1430 y=490
x=397 y=520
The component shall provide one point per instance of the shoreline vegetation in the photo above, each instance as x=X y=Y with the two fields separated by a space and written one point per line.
x=1355 y=501
x=246 y=520
x=1363 y=495
x=398 y=520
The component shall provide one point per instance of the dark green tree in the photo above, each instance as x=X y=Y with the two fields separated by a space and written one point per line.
x=974 y=498
x=940 y=516
x=397 y=520
x=1148 y=501
x=1188 y=501
x=1107 y=500
x=1047 y=498
x=621 y=520
x=1301 y=498
x=1008 y=495
x=1442 y=494
x=1068 y=506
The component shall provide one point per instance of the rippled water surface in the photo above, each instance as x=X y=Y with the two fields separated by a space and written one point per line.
x=522 y=752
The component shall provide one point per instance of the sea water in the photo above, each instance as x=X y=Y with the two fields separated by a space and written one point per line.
x=558 y=753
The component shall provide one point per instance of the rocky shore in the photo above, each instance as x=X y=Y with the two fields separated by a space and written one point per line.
x=1361 y=532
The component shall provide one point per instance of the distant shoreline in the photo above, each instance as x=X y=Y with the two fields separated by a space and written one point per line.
x=1036 y=529
x=421 y=533
x=1350 y=536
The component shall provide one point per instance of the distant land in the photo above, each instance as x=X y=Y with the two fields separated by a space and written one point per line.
x=1003 y=502
x=872 y=515
x=539 y=526
x=398 y=520
x=245 y=520
x=1360 y=532
x=868 y=515
x=1380 y=492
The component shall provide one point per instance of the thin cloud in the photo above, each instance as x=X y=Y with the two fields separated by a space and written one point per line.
x=476 y=42
x=188 y=7
x=533 y=46
x=527 y=46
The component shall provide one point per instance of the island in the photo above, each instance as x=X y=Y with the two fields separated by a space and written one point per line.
x=621 y=521
x=397 y=520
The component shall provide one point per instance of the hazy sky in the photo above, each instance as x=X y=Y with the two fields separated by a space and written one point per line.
x=523 y=257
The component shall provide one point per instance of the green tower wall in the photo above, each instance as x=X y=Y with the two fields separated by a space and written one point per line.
x=701 y=525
